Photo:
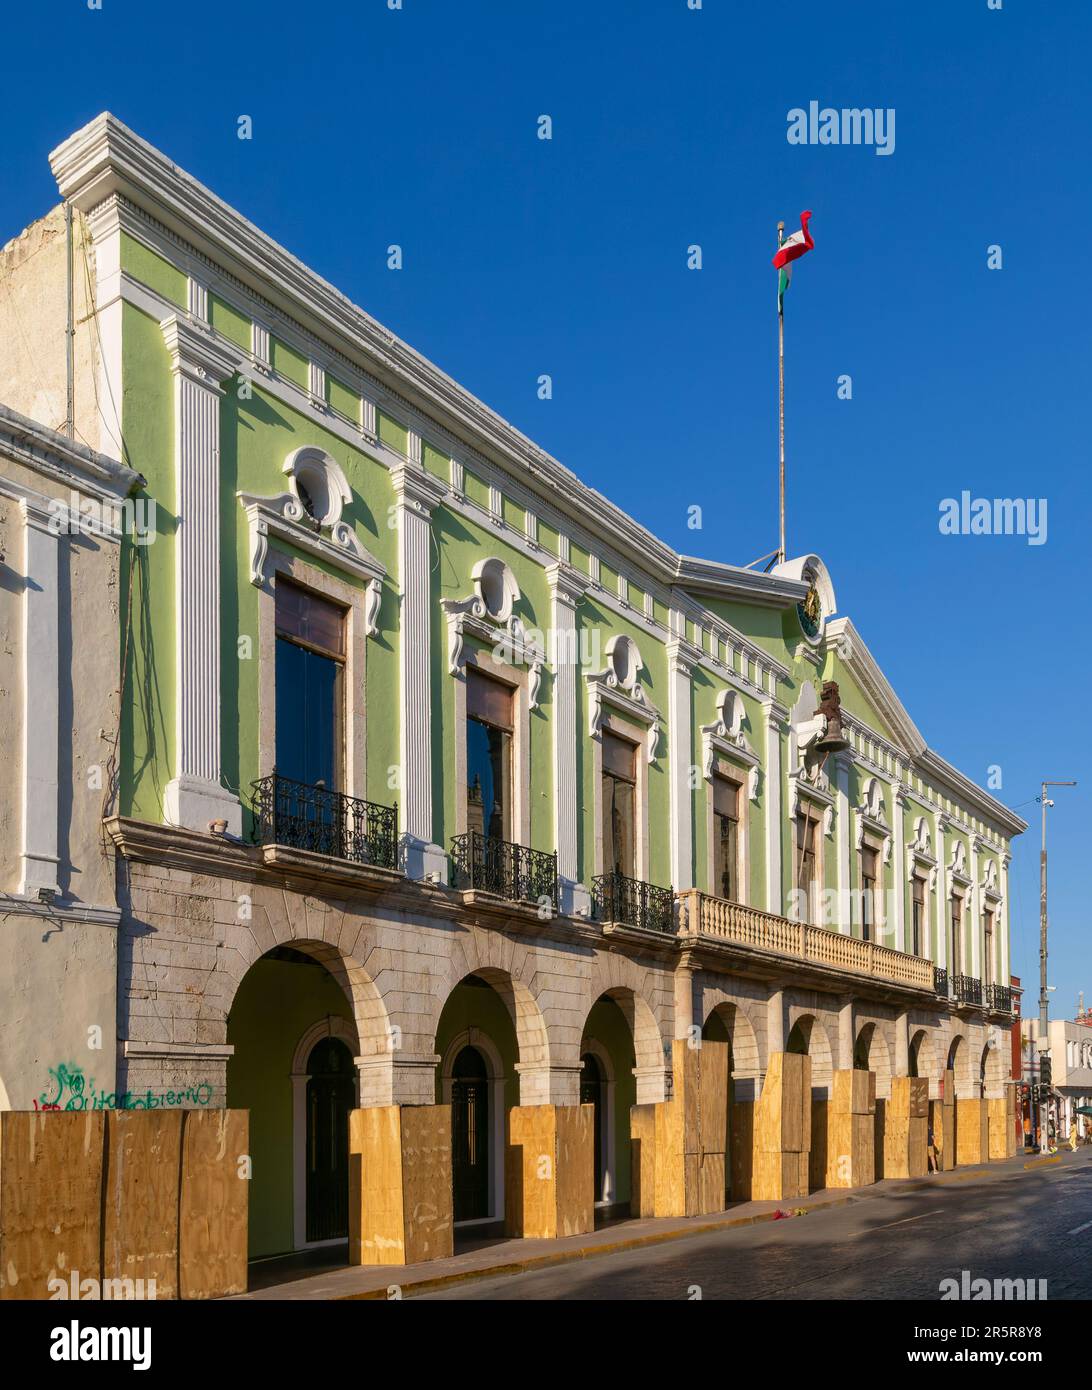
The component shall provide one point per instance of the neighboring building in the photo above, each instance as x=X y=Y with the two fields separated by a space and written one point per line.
x=60 y=654
x=440 y=777
x=1070 y=1051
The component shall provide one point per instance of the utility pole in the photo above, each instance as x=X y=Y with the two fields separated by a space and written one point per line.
x=1044 y=1030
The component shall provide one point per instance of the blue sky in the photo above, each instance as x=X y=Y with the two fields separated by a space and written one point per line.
x=568 y=257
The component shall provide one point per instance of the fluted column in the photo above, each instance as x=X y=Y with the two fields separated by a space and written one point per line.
x=416 y=493
x=898 y=864
x=195 y=795
x=680 y=666
x=775 y=724
x=566 y=589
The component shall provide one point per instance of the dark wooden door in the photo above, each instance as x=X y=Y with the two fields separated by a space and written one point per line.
x=331 y=1094
x=591 y=1093
x=470 y=1136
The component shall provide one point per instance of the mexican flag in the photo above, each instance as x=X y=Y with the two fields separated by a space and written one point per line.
x=791 y=249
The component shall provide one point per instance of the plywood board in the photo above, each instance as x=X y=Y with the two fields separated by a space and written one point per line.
x=670 y=1199
x=712 y=1196
x=779 y=1176
x=575 y=1169
x=531 y=1172
x=50 y=1199
x=376 y=1232
x=919 y=1097
x=998 y=1125
x=918 y=1146
x=214 y=1195
x=427 y=1192
x=879 y=1125
x=898 y=1102
x=140 y=1199
x=943 y=1136
x=972 y=1131
x=713 y=1130
x=642 y=1180
x=852 y=1092
x=896 y=1147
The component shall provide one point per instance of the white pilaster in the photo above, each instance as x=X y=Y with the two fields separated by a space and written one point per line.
x=39 y=852
x=680 y=665
x=974 y=910
x=943 y=907
x=1003 y=924
x=195 y=796
x=416 y=493
x=566 y=588
x=898 y=864
x=772 y=798
x=841 y=822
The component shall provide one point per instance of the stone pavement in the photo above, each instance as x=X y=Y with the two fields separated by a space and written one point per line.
x=502 y=1256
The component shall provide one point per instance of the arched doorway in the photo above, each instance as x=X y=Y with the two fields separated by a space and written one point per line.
x=470 y=1136
x=331 y=1094
x=608 y=1059
x=286 y=1007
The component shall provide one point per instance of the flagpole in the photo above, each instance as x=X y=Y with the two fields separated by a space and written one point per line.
x=781 y=401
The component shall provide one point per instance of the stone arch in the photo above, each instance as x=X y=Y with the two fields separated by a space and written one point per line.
x=871 y=1049
x=959 y=1062
x=922 y=1055
x=742 y=1038
x=509 y=968
x=809 y=1035
x=315 y=929
x=992 y=1068
x=625 y=982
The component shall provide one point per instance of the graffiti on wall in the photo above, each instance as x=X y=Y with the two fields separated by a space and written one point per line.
x=69 y=1089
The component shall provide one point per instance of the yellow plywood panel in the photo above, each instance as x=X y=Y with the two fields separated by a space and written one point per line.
x=575 y=1169
x=427 y=1193
x=998 y=1126
x=714 y=1097
x=670 y=1178
x=779 y=1176
x=140 y=1202
x=853 y=1092
x=972 y=1131
x=918 y=1146
x=896 y=1147
x=50 y=1199
x=642 y=1129
x=212 y=1213
x=376 y=1231
x=711 y=1184
x=919 y=1097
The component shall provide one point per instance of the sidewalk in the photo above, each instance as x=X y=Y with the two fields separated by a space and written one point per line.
x=517 y=1256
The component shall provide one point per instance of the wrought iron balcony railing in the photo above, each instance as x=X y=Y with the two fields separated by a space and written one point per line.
x=940 y=981
x=999 y=997
x=968 y=990
x=510 y=871
x=314 y=818
x=632 y=903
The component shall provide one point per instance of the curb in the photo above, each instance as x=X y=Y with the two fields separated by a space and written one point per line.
x=590 y=1252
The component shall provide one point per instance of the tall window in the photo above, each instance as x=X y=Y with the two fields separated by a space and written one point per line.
x=987 y=959
x=917 y=919
x=619 y=806
x=310 y=671
x=869 y=860
x=807 y=862
x=488 y=756
x=726 y=837
x=957 y=934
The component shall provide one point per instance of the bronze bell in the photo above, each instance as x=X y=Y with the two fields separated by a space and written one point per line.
x=830 y=741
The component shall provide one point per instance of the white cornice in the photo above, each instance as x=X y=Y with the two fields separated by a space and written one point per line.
x=863 y=667
x=55 y=455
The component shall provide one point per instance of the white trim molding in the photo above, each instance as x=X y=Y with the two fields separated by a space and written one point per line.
x=195 y=796
x=619 y=686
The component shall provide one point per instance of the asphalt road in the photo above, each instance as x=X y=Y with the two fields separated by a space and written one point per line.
x=1027 y=1225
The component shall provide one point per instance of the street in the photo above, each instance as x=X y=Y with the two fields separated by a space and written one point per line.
x=1033 y=1225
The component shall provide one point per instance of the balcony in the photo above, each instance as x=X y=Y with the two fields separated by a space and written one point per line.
x=510 y=871
x=968 y=990
x=940 y=981
x=630 y=903
x=999 y=998
x=718 y=919
x=320 y=821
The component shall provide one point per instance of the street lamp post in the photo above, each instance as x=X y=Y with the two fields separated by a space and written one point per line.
x=1044 y=1032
